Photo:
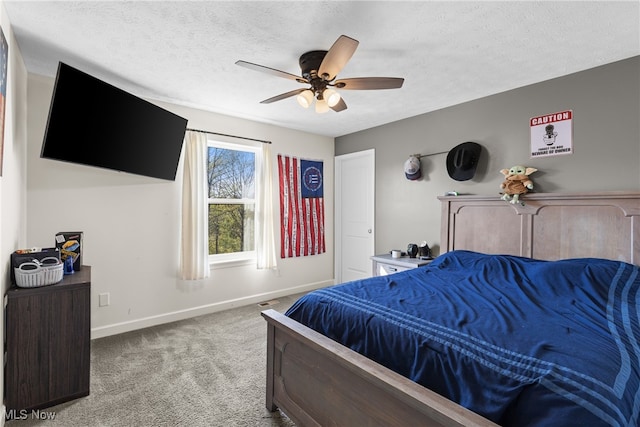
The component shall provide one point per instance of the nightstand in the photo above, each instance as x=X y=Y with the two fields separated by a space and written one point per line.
x=384 y=264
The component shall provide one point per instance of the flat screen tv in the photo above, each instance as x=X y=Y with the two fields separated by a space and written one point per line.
x=94 y=123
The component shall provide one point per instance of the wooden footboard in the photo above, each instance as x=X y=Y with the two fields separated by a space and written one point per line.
x=317 y=382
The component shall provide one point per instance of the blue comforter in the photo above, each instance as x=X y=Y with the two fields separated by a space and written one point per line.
x=519 y=341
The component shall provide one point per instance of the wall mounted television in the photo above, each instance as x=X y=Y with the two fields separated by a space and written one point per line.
x=94 y=123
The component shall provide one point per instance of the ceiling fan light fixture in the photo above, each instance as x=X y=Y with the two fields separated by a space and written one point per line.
x=322 y=106
x=320 y=69
x=331 y=96
x=305 y=98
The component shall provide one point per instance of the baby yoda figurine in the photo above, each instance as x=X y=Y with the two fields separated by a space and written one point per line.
x=516 y=182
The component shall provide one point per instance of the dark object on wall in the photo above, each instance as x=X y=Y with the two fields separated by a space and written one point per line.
x=4 y=56
x=94 y=123
x=462 y=161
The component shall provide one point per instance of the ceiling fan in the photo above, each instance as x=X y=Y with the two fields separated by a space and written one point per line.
x=319 y=70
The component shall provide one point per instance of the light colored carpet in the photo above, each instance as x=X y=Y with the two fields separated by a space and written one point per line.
x=205 y=371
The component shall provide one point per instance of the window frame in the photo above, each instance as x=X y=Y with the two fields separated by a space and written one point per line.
x=245 y=257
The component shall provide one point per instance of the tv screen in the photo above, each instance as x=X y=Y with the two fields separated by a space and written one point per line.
x=94 y=123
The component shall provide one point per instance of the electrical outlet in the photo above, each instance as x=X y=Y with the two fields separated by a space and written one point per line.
x=104 y=300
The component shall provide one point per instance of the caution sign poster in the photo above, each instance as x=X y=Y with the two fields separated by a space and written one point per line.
x=552 y=134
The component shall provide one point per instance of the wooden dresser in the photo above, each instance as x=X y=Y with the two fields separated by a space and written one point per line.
x=47 y=343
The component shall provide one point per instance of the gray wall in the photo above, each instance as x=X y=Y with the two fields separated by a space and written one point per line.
x=606 y=142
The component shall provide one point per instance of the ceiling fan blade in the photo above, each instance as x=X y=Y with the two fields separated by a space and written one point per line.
x=337 y=57
x=282 y=96
x=341 y=105
x=366 y=83
x=271 y=71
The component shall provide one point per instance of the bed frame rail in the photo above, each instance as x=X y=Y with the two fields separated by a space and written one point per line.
x=318 y=382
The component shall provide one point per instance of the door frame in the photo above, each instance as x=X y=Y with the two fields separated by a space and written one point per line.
x=371 y=155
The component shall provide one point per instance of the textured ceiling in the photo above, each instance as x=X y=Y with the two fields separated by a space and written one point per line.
x=449 y=52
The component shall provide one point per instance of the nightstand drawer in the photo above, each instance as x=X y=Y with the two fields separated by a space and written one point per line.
x=385 y=269
x=384 y=265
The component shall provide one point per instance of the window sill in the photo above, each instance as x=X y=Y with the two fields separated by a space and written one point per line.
x=230 y=263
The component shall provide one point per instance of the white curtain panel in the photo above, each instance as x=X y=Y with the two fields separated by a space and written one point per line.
x=194 y=254
x=266 y=244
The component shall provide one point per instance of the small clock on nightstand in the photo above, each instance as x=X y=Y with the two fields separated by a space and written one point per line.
x=385 y=264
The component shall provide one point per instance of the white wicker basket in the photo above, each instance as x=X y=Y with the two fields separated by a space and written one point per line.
x=33 y=274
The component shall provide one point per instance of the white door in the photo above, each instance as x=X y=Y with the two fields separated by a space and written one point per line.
x=354 y=216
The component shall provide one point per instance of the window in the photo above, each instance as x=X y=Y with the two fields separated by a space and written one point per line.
x=231 y=176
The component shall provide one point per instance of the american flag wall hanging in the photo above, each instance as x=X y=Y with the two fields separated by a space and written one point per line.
x=301 y=207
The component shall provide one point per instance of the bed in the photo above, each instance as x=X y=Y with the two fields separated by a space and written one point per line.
x=543 y=280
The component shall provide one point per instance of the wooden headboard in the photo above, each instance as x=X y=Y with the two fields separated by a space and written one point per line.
x=548 y=226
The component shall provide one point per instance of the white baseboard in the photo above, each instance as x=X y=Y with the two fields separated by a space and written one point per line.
x=119 y=328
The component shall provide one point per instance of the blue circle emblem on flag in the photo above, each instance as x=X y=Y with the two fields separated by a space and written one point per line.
x=311 y=178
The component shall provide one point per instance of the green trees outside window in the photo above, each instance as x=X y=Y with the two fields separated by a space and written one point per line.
x=231 y=178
